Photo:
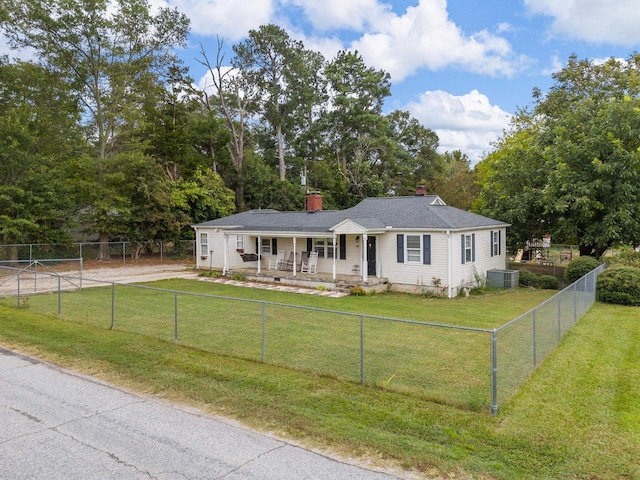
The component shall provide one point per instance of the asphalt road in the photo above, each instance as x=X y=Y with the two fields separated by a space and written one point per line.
x=56 y=424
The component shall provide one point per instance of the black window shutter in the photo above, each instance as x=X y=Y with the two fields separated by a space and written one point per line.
x=309 y=245
x=499 y=242
x=473 y=247
x=426 y=249
x=462 y=242
x=258 y=251
x=491 y=242
x=274 y=246
x=343 y=246
x=400 y=245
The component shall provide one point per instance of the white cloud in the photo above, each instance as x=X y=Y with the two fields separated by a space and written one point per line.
x=342 y=14
x=613 y=22
x=231 y=20
x=468 y=123
x=425 y=36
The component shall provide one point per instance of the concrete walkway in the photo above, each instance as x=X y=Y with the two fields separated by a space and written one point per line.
x=56 y=424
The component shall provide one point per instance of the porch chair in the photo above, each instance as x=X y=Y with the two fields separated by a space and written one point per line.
x=311 y=265
x=289 y=263
x=275 y=262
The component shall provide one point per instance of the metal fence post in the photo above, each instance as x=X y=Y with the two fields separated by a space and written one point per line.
x=124 y=253
x=558 y=333
x=175 y=317
x=494 y=371
x=264 y=332
x=575 y=303
x=535 y=346
x=361 y=350
x=59 y=296
x=113 y=305
x=18 y=290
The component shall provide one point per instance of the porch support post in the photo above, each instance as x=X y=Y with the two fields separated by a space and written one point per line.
x=259 y=252
x=365 y=261
x=295 y=267
x=225 y=268
x=334 y=255
x=449 y=265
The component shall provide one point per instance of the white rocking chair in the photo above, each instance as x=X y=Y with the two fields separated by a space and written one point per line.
x=311 y=265
x=275 y=262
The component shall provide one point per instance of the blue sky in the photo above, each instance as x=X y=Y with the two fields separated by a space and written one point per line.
x=462 y=67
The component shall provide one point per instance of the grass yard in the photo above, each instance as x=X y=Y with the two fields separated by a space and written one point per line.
x=444 y=365
x=577 y=418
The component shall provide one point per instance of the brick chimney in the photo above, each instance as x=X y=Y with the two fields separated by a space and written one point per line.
x=313 y=202
x=421 y=191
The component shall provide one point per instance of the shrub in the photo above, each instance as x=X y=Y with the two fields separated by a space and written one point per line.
x=620 y=285
x=527 y=278
x=628 y=257
x=579 y=267
x=358 y=291
x=548 y=282
x=238 y=277
x=211 y=274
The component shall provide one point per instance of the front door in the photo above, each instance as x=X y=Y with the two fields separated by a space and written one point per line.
x=371 y=256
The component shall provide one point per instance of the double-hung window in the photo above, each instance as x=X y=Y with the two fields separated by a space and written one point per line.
x=495 y=243
x=468 y=248
x=240 y=242
x=414 y=249
x=204 y=244
x=265 y=247
x=324 y=247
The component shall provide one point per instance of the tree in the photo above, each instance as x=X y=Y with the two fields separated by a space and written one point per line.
x=284 y=75
x=38 y=136
x=203 y=197
x=417 y=160
x=231 y=97
x=571 y=164
x=457 y=183
x=110 y=53
x=356 y=95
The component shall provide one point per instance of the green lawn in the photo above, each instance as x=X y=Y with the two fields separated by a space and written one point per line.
x=577 y=417
x=446 y=365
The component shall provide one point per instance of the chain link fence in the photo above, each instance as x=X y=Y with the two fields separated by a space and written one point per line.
x=90 y=250
x=468 y=367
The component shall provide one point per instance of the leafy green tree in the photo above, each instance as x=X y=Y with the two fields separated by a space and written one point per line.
x=355 y=129
x=417 y=160
x=230 y=97
x=457 y=183
x=571 y=165
x=202 y=197
x=285 y=77
x=110 y=54
x=38 y=135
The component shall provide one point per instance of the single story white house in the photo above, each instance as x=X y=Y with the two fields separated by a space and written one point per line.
x=412 y=241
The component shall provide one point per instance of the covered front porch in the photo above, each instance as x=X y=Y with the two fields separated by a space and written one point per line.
x=340 y=257
x=341 y=282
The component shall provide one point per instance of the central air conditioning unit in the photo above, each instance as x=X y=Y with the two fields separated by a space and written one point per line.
x=503 y=278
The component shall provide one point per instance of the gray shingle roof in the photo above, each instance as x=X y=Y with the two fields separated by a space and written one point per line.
x=372 y=213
